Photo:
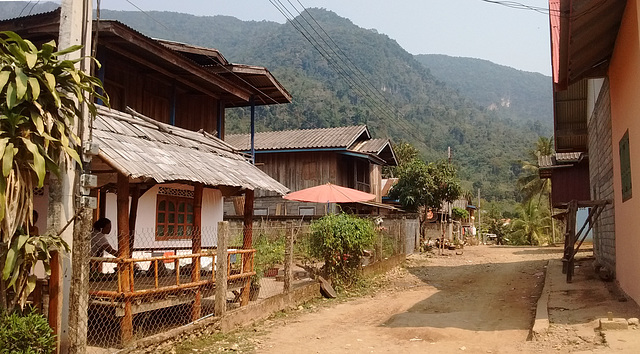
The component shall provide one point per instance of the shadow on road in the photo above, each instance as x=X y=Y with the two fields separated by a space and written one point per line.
x=478 y=297
x=549 y=250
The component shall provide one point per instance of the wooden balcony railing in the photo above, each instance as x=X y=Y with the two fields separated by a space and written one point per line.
x=139 y=286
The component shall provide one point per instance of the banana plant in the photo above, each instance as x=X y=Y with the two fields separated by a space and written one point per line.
x=40 y=101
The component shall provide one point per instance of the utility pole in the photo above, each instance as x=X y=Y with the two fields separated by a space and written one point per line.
x=75 y=29
x=479 y=219
x=449 y=219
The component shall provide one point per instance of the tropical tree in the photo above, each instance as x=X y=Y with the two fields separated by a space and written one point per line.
x=40 y=95
x=529 y=183
x=533 y=225
x=405 y=153
x=426 y=185
x=496 y=224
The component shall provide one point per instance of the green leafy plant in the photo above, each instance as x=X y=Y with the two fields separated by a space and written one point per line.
x=29 y=333
x=459 y=213
x=40 y=99
x=340 y=240
x=269 y=252
x=427 y=185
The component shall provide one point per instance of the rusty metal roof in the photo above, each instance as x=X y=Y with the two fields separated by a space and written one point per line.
x=323 y=138
x=142 y=148
x=560 y=158
x=583 y=35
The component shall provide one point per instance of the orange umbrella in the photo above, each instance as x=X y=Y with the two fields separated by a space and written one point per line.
x=329 y=193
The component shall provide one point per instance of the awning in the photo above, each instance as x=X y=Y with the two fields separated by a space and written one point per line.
x=151 y=151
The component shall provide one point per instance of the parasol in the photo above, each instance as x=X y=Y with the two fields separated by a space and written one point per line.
x=329 y=193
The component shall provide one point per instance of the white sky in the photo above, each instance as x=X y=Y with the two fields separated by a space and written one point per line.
x=468 y=28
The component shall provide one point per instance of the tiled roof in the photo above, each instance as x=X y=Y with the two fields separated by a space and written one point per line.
x=341 y=137
x=142 y=148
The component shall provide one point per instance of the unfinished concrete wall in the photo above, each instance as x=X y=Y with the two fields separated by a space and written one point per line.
x=601 y=176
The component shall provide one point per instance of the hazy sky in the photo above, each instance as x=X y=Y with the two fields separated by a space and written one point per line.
x=468 y=28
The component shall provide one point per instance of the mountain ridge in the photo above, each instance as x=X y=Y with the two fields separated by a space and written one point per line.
x=413 y=103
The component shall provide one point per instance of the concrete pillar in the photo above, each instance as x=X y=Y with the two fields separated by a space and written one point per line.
x=220 y=302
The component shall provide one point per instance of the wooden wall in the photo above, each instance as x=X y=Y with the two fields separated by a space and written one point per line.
x=153 y=94
x=300 y=170
x=570 y=183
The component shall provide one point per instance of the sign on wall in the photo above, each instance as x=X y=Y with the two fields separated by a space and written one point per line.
x=625 y=167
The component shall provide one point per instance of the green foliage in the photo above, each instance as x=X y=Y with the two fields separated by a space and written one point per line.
x=426 y=185
x=24 y=252
x=529 y=183
x=340 y=240
x=432 y=110
x=269 y=251
x=459 y=213
x=524 y=96
x=38 y=109
x=28 y=333
x=533 y=226
x=405 y=154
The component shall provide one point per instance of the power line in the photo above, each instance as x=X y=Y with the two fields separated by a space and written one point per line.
x=208 y=56
x=343 y=69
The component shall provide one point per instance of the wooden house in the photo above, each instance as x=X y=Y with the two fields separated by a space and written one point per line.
x=299 y=159
x=163 y=169
x=595 y=57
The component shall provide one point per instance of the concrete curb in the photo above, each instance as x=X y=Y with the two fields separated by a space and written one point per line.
x=541 y=323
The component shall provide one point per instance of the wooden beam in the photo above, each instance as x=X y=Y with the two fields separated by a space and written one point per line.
x=126 y=322
x=173 y=58
x=247 y=240
x=161 y=70
x=196 y=247
x=133 y=215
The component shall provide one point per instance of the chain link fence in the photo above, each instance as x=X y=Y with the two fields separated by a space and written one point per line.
x=174 y=277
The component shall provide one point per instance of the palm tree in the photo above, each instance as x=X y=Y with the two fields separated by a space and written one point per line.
x=532 y=225
x=530 y=183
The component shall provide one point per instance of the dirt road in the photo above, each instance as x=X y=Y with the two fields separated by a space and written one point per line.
x=481 y=301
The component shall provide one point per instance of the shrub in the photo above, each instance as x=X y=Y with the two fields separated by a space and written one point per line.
x=269 y=251
x=29 y=333
x=340 y=240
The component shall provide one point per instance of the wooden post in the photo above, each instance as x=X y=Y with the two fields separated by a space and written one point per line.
x=288 y=258
x=247 y=243
x=55 y=296
x=126 y=322
x=196 y=247
x=133 y=214
x=220 y=304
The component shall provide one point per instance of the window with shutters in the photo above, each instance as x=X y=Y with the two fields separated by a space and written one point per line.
x=174 y=218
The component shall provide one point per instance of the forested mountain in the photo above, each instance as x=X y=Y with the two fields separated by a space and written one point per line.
x=510 y=92
x=413 y=104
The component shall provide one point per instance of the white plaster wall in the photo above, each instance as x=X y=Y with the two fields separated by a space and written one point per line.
x=212 y=213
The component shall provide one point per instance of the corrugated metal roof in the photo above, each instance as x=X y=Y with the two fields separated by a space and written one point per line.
x=341 y=137
x=142 y=148
x=560 y=158
x=373 y=146
x=570 y=123
x=377 y=147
